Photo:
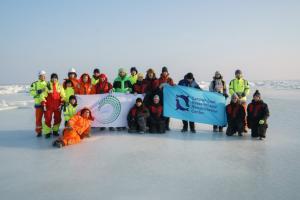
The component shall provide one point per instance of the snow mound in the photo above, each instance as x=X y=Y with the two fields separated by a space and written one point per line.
x=13 y=89
x=4 y=105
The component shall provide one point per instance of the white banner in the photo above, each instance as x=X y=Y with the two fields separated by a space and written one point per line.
x=109 y=110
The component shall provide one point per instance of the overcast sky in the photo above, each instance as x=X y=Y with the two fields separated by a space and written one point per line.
x=261 y=37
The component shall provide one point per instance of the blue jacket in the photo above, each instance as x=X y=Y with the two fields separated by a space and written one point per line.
x=193 y=84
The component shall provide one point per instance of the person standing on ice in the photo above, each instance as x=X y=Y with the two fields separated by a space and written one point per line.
x=241 y=87
x=70 y=109
x=218 y=85
x=103 y=86
x=78 y=127
x=133 y=75
x=69 y=90
x=151 y=83
x=96 y=76
x=189 y=81
x=52 y=103
x=162 y=81
x=37 y=90
x=85 y=86
x=122 y=83
x=258 y=113
x=235 y=116
x=72 y=76
x=140 y=86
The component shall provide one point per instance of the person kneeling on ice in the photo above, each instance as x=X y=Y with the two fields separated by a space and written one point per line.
x=137 y=117
x=78 y=127
x=258 y=113
x=70 y=109
x=235 y=116
x=156 y=119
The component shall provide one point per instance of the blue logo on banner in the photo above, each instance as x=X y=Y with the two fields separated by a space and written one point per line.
x=185 y=100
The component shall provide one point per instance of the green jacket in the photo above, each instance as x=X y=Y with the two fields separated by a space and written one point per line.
x=94 y=81
x=37 y=91
x=68 y=92
x=240 y=87
x=122 y=85
x=69 y=112
x=133 y=79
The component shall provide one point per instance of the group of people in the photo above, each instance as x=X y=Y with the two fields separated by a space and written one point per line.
x=52 y=99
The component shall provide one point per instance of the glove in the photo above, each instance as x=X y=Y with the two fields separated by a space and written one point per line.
x=243 y=94
x=111 y=91
x=44 y=107
x=39 y=91
x=135 y=94
x=127 y=92
x=261 y=122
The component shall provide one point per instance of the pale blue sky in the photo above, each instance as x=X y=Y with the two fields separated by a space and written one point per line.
x=262 y=37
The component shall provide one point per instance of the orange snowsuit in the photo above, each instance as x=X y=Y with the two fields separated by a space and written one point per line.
x=85 y=88
x=79 y=127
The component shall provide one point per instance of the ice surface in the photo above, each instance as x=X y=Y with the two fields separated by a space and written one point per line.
x=173 y=166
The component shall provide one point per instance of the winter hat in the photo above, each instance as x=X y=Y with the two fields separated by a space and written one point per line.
x=150 y=71
x=164 y=69
x=140 y=75
x=72 y=70
x=189 y=75
x=238 y=71
x=68 y=81
x=54 y=76
x=96 y=71
x=122 y=70
x=133 y=69
x=139 y=100
x=217 y=73
x=72 y=97
x=156 y=97
x=42 y=72
x=256 y=93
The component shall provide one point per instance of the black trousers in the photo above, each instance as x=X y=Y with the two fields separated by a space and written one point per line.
x=186 y=123
x=234 y=127
x=259 y=130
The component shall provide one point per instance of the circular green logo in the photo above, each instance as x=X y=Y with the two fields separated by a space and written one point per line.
x=116 y=106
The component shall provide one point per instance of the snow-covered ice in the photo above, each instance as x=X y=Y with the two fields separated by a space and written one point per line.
x=173 y=166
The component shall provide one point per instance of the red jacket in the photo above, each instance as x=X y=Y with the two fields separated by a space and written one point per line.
x=156 y=111
x=54 y=96
x=165 y=79
x=103 y=87
x=85 y=88
x=140 y=87
x=151 y=84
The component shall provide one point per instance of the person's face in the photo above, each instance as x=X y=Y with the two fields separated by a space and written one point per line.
x=156 y=100
x=122 y=74
x=217 y=75
x=96 y=74
x=140 y=78
x=150 y=75
x=256 y=98
x=238 y=75
x=138 y=104
x=71 y=75
x=85 y=79
x=42 y=77
x=165 y=73
x=235 y=99
x=133 y=73
x=86 y=114
x=102 y=79
x=190 y=80
x=69 y=85
x=54 y=80
x=72 y=101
